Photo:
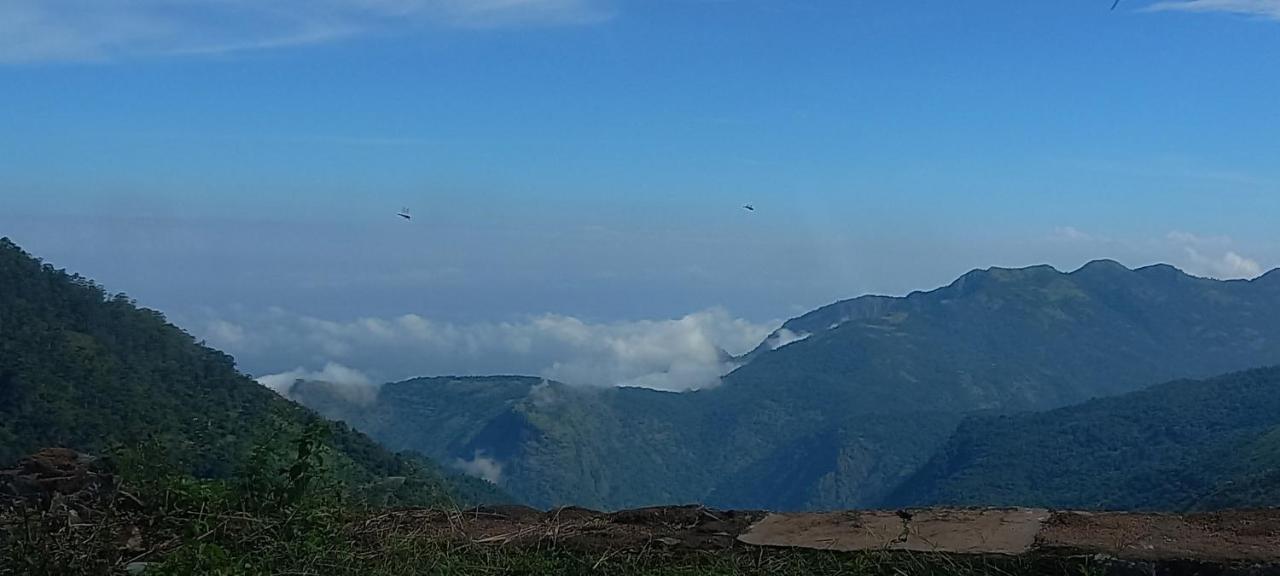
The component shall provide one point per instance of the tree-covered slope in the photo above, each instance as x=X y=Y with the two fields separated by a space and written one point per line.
x=552 y=444
x=866 y=389
x=1187 y=444
x=86 y=370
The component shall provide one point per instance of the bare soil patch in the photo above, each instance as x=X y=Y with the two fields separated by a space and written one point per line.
x=1231 y=536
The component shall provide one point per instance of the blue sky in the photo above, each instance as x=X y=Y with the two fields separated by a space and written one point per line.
x=587 y=158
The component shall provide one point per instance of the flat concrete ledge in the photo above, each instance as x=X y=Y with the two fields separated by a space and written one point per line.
x=1009 y=531
x=1233 y=536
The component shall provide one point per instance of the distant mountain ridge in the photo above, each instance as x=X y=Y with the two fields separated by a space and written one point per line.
x=860 y=396
x=1033 y=320
x=871 y=306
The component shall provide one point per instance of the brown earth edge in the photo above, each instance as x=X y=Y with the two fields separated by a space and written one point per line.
x=63 y=486
x=1249 y=537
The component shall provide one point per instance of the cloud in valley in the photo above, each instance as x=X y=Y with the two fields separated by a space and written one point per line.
x=480 y=466
x=350 y=383
x=676 y=354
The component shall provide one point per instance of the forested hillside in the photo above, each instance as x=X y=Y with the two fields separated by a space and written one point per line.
x=83 y=369
x=849 y=401
x=559 y=445
x=1188 y=444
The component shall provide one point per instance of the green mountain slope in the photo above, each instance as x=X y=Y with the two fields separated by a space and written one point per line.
x=84 y=370
x=865 y=389
x=556 y=444
x=1187 y=444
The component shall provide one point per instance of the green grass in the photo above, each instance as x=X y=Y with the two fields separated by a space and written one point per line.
x=406 y=555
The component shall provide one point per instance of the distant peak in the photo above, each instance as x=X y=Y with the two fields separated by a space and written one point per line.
x=1033 y=269
x=1161 y=271
x=1103 y=265
x=1002 y=272
x=989 y=278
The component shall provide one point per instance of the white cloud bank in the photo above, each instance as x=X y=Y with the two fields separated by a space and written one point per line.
x=350 y=383
x=1269 y=9
x=88 y=30
x=677 y=354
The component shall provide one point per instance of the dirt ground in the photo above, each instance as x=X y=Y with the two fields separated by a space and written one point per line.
x=684 y=527
x=1233 y=536
x=1230 y=537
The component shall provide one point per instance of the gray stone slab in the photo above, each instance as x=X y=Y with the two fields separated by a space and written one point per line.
x=962 y=531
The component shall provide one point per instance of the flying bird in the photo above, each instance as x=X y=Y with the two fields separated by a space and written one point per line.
x=404 y=213
x=749 y=208
x=1117 y=3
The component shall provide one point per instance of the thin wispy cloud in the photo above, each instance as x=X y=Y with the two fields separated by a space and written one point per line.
x=1212 y=256
x=1269 y=9
x=33 y=31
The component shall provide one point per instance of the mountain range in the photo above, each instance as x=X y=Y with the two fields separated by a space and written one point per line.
x=1007 y=387
x=861 y=403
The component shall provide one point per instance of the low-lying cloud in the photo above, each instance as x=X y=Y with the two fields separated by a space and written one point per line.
x=480 y=466
x=677 y=354
x=348 y=382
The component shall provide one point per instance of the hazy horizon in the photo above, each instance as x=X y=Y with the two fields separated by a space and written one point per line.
x=577 y=186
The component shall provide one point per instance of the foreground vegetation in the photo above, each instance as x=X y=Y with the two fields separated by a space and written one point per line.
x=285 y=513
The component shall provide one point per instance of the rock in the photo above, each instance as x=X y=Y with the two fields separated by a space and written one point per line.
x=137 y=567
x=54 y=479
x=54 y=462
